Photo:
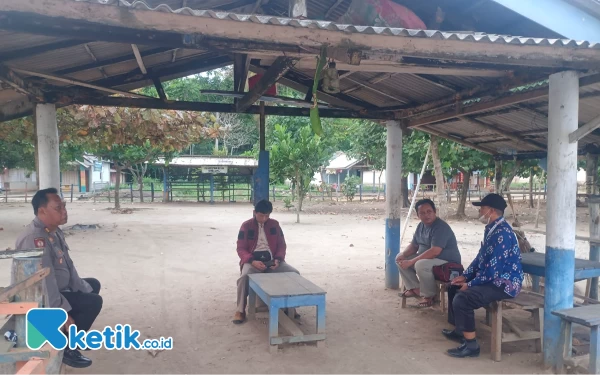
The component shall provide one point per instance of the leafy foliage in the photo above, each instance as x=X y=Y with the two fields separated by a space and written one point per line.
x=349 y=187
x=297 y=157
x=133 y=137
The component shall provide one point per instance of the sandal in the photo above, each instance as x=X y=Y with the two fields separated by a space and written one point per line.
x=408 y=294
x=424 y=304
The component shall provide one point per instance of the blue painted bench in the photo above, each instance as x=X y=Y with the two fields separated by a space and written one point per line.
x=587 y=316
x=286 y=290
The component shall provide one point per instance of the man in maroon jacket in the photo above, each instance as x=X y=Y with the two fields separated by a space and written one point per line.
x=260 y=241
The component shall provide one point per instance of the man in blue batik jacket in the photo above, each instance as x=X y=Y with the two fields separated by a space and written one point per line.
x=495 y=274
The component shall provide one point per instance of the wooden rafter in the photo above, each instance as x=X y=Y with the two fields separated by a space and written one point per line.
x=272 y=75
x=392 y=67
x=138 y=58
x=495 y=103
x=459 y=141
x=38 y=50
x=200 y=29
x=584 y=130
x=377 y=90
x=159 y=87
x=333 y=99
x=498 y=130
x=228 y=108
x=17 y=83
x=241 y=64
x=113 y=61
x=77 y=83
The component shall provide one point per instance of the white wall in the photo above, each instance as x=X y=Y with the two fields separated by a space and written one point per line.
x=18 y=179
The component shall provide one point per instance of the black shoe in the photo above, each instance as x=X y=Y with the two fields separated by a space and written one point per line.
x=75 y=359
x=463 y=352
x=453 y=335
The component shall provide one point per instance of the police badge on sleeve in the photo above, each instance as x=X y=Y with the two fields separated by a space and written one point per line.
x=39 y=243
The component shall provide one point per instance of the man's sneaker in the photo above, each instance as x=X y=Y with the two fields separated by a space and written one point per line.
x=75 y=359
x=239 y=317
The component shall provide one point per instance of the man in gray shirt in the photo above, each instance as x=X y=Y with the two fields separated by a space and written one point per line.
x=433 y=244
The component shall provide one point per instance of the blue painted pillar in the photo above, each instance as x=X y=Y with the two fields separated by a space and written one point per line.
x=261 y=177
x=563 y=113
x=393 y=202
x=165 y=186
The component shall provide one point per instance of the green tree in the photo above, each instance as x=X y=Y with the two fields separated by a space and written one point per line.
x=297 y=157
x=133 y=137
x=368 y=141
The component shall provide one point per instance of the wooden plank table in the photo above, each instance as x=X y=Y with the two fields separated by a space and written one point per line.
x=286 y=290
x=535 y=264
x=587 y=316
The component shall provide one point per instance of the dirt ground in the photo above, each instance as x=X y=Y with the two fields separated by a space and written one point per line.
x=171 y=270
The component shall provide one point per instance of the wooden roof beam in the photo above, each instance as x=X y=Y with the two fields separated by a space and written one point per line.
x=377 y=66
x=499 y=102
x=584 y=130
x=77 y=83
x=272 y=75
x=100 y=64
x=199 y=29
x=38 y=50
x=12 y=78
x=226 y=108
x=138 y=58
x=241 y=65
x=333 y=99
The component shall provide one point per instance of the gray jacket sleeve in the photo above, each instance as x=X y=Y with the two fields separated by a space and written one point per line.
x=55 y=299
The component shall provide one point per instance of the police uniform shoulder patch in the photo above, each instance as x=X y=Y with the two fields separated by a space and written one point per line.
x=273 y=231
x=39 y=242
x=241 y=235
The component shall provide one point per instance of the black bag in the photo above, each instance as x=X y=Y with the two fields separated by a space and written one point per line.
x=263 y=256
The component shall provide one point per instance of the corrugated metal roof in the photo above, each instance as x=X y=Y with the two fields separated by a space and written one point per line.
x=326 y=25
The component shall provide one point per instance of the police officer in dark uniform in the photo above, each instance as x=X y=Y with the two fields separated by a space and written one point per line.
x=78 y=297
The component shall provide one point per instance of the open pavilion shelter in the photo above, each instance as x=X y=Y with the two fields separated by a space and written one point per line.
x=508 y=96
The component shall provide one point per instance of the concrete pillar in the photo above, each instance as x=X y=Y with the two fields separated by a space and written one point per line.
x=560 y=228
x=393 y=202
x=47 y=146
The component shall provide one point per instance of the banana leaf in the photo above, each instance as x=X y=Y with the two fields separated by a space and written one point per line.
x=315 y=119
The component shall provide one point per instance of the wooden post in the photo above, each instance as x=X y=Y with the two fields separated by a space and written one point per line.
x=594 y=210
x=261 y=133
x=22 y=268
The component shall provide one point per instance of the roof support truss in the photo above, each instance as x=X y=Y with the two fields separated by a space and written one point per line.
x=584 y=130
x=272 y=75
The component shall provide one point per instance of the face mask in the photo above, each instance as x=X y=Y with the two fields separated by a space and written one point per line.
x=483 y=219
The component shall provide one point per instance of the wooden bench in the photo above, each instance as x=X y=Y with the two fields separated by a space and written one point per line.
x=441 y=296
x=25 y=293
x=495 y=322
x=587 y=316
x=286 y=290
